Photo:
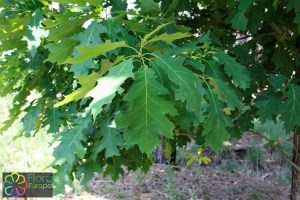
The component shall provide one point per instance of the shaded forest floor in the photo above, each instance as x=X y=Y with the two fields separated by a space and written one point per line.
x=208 y=183
x=232 y=175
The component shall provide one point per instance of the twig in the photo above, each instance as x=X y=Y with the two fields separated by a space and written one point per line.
x=103 y=181
x=160 y=193
x=276 y=28
x=279 y=150
x=163 y=178
x=257 y=36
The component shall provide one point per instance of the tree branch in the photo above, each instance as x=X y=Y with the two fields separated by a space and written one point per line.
x=279 y=150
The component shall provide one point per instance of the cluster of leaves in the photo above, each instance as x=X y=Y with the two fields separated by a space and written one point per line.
x=134 y=75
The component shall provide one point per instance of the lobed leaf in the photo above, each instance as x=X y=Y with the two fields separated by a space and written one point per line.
x=215 y=125
x=107 y=86
x=146 y=117
x=87 y=83
x=61 y=51
x=189 y=85
x=239 y=21
x=71 y=140
x=149 y=7
x=54 y=120
x=239 y=73
x=290 y=109
x=109 y=140
x=268 y=104
x=147 y=36
x=169 y=38
x=87 y=52
x=226 y=93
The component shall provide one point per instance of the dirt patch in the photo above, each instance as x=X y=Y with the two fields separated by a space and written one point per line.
x=182 y=183
x=231 y=176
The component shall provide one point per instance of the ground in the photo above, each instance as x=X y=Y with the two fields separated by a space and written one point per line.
x=215 y=181
x=230 y=176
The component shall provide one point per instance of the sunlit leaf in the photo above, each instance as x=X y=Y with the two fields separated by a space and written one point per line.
x=87 y=52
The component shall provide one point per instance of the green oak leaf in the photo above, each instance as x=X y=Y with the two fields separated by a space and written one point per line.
x=71 y=141
x=61 y=178
x=147 y=36
x=35 y=62
x=215 y=124
x=88 y=82
x=91 y=35
x=169 y=38
x=255 y=19
x=82 y=68
x=297 y=20
x=118 y=5
x=195 y=63
x=107 y=86
x=280 y=57
x=54 y=120
x=295 y=4
x=283 y=60
x=66 y=29
x=278 y=81
x=242 y=53
x=169 y=7
x=113 y=29
x=137 y=159
x=268 y=104
x=61 y=51
x=149 y=7
x=18 y=102
x=114 y=168
x=78 y=2
x=239 y=73
x=189 y=85
x=11 y=36
x=226 y=93
x=87 y=52
x=87 y=170
x=30 y=119
x=109 y=140
x=239 y=21
x=94 y=2
x=290 y=109
x=146 y=117
x=186 y=5
x=35 y=32
x=81 y=2
x=130 y=40
x=186 y=121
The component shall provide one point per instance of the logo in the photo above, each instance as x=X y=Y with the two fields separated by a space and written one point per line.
x=19 y=184
x=15 y=185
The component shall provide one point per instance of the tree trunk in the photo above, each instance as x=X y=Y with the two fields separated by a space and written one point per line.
x=159 y=156
x=159 y=153
x=295 y=190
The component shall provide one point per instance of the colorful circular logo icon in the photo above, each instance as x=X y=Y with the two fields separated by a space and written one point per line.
x=15 y=185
